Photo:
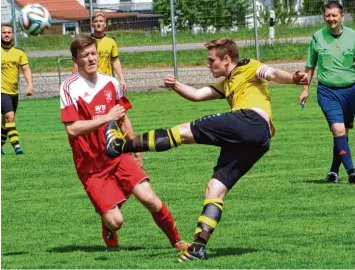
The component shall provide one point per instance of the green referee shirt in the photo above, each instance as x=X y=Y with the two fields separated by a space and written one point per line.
x=335 y=57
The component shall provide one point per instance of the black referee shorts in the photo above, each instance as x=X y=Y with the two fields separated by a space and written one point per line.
x=8 y=103
x=244 y=137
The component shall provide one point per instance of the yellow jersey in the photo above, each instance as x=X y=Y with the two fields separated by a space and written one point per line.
x=107 y=49
x=11 y=61
x=245 y=88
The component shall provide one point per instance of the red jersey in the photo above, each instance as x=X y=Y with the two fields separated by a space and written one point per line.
x=83 y=100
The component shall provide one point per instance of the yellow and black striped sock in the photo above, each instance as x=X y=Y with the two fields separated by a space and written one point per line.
x=207 y=221
x=12 y=133
x=3 y=135
x=155 y=140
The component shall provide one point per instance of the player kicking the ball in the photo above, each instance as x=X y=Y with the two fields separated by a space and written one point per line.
x=242 y=134
x=88 y=101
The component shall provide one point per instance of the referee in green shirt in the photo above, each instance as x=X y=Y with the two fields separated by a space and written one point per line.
x=332 y=51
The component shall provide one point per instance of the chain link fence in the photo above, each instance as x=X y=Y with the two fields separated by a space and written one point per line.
x=160 y=36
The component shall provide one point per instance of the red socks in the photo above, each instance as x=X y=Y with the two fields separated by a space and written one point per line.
x=166 y=223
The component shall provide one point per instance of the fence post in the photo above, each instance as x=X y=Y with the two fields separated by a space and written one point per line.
x=256 y=32
x=173 y=31
x=271 y=27
x=91 y=13
x=14 y=22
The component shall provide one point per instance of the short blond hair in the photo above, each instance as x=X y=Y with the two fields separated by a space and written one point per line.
x=97 y=14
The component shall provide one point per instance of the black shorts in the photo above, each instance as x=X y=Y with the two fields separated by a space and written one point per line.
x=244 y=137
x=8 y=103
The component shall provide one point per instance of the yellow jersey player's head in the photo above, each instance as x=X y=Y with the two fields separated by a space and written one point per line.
x=223 y=56
x=7 y=35
x=99 y=23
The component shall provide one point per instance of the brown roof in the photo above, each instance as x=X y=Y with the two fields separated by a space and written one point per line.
x=69 y=9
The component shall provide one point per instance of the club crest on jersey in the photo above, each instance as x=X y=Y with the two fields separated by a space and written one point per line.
x=108 y=95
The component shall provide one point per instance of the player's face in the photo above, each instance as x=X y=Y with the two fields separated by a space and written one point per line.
x=6 y=35
x=217 y=66
x=87 y=60
x=333 y=18
x=99 y=24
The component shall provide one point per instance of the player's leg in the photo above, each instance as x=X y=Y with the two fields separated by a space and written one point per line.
x=8 y=109
x=134 y=180
x=3 y=135
x=111 y=222
x=154 y=140
x=106 y=196
x=218 y=129
x=336 y=109
x=6 y=106
x=233 y=163
x=160 y=213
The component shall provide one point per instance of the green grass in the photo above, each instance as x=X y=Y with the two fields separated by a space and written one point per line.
x=280 y=215
x=152 y=37
x=286 y=52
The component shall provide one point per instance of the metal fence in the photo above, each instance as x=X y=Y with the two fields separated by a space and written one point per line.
x=158 y=37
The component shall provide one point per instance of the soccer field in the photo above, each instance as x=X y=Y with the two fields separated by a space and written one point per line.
x=280 y=215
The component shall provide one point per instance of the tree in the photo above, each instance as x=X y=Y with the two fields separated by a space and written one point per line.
x=217 y=13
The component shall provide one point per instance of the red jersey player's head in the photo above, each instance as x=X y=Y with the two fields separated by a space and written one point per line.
x=84 y=54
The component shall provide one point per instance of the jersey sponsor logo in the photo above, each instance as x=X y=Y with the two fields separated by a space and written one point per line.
x=108 y=95
x=100 y=109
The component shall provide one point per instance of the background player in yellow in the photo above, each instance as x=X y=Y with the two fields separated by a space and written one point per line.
x=107 y=50
x=12 y=59
x=243 y=134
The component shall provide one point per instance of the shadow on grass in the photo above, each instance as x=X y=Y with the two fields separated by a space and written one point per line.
x=323 y=182
x=73 y=248
x=14 y=253
x=221 y=252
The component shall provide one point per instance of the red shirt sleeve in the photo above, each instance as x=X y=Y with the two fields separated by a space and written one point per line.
x=124 y=102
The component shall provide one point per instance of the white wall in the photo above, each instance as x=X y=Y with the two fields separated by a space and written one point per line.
x=6 y=15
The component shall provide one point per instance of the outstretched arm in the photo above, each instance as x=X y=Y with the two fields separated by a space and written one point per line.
x=284 y=77
x=82 y=127
x=189 y=92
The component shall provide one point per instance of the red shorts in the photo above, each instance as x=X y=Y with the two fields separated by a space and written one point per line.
x=114 y=184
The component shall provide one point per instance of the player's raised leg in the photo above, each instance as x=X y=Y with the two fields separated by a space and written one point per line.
x=154 y=140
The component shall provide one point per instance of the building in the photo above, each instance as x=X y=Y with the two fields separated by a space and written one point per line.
x=73 y=16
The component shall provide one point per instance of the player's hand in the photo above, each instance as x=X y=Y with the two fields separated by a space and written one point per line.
x=117 y=112
x=139 y=158
x=123 y=86
x=304 y=95
x=29 y=90
x=300 y=77
x=169 y=81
